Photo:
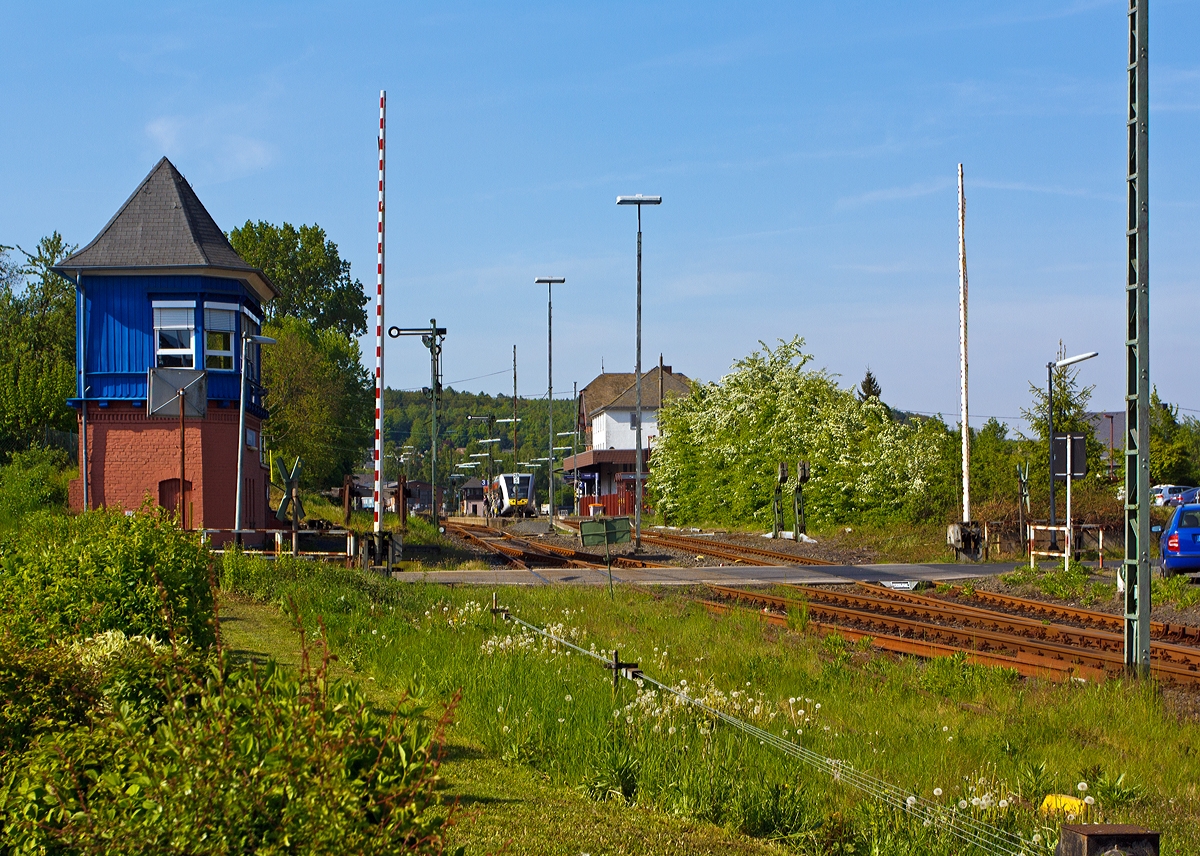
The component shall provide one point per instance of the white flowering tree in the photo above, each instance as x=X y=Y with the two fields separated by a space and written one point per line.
x=716 y=459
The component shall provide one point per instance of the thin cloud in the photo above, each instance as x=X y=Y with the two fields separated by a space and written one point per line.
x=1051 y=189
x=205 y=143
x=893 y=194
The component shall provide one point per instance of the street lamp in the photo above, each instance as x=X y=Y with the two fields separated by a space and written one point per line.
x=550 y=282
x=247 y=341
x=639 y=200
x=1050 y=367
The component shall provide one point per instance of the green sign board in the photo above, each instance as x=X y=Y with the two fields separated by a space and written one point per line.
x=604 y=531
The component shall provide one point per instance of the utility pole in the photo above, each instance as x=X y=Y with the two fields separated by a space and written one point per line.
x=1136 y=567
x=962 y=347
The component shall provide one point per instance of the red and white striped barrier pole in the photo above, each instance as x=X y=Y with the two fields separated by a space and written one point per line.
x=379 y=333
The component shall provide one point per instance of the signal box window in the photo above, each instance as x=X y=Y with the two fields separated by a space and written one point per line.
x=174 y=337
x=220 y=326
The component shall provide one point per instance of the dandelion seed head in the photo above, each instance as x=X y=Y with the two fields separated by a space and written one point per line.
x=937 y=792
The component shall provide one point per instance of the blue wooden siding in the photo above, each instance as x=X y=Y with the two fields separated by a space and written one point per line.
x=118 y=312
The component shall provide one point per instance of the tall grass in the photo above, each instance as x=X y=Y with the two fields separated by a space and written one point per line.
x=973 y=733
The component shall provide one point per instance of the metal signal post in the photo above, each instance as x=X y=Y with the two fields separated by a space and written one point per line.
x=431 y=338
x=1136 y=567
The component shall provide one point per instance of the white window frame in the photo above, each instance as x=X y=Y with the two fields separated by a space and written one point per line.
x=231 y=354
x=188 y=323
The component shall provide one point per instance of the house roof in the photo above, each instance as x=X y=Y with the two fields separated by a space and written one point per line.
x=164 y=227
x=617 y=390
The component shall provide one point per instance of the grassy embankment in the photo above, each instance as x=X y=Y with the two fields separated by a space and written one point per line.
x=537 y=717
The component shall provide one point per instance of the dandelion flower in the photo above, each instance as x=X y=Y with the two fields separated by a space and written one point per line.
x=499 y=710
x=937 y=792
x=911 y=801
x=568 y=697
x=1003 y=803
x=945 y=728
x=1089 y=800
x=671 y=730
x=1081 y=787
x=962 y=803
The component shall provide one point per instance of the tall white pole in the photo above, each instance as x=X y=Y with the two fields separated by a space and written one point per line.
x=962 y=347
x=379 y=327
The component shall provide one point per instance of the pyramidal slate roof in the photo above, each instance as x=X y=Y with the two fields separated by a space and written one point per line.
x=164 y=226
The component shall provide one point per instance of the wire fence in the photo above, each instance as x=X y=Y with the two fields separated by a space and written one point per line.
x=956 y=822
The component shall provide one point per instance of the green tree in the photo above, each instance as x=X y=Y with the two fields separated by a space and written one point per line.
x=37 y=344
x=320 y=398
x=1171 y=445
x=1070 y=416
x=994 y=458
x=720 y=446
x=869 y=387
x=313 y=280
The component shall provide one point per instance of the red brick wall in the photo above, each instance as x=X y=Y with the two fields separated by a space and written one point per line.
x=128 y=455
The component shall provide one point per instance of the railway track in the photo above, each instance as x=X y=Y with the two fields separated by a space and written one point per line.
x=1182 y=633
x=525 y=554
x=1029 y=646
x=730 y=552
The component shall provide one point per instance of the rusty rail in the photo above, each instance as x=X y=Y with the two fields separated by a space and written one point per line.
x=741 y=553
x=1017 y=642
x=1184 y=633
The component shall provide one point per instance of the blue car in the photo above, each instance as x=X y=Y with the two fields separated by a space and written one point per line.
x=1179 y=544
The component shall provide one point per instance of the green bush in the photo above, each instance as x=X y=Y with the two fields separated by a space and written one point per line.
x=258 y=761
x=41 y=689
x=33 y=480
x=69 y=577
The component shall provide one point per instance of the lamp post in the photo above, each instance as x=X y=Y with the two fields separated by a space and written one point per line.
x=247 y=341
x=575 y=482
x=550 y=282
x=639 y=201
x=1050 y=367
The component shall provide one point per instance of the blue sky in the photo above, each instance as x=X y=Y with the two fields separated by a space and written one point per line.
x=806 y=154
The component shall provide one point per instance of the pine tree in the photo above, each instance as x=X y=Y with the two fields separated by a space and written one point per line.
x=869 y=387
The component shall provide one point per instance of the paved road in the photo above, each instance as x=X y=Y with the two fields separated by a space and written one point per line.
x=723 y=575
